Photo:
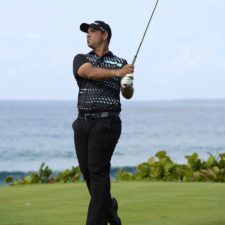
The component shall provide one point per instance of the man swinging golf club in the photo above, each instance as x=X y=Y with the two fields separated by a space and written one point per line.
x=100 y=76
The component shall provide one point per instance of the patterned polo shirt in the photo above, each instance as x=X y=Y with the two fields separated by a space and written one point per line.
x=101 y=95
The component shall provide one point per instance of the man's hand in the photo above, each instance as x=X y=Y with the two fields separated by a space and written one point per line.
x=127 y=69
x=127 y=81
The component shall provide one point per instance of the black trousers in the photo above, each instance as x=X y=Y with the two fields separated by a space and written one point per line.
x=95 y=141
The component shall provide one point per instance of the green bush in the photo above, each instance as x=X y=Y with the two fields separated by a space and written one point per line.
x=162 y=168
x=157 y=168
x=45 y=176
x=69 y=175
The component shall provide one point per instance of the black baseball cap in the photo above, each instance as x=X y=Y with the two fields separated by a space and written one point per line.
x=98 y=25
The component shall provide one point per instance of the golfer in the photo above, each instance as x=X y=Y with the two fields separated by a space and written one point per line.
x=100 y=76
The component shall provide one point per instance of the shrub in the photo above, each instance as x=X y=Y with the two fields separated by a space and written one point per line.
x=157 y=168
x=45 y=176
x=161 y=168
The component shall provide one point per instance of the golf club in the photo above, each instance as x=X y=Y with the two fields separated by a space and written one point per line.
x=135 y=57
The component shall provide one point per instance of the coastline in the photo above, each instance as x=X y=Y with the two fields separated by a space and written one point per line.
x=20 y=174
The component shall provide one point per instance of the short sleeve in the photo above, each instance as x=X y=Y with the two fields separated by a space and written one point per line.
x=124 y=63
x=78 y=61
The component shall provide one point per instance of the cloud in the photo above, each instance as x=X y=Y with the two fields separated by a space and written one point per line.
x=197 y=56
x=187 y=58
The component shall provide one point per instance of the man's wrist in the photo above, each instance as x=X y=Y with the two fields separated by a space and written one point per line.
x=124 y=86
x=117 y=73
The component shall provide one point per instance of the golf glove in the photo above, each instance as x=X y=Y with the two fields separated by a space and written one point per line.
x=127 y=80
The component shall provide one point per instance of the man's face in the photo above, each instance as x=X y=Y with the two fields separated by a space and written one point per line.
x=95 y=37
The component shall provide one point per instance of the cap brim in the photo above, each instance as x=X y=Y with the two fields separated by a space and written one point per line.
x=84 y=27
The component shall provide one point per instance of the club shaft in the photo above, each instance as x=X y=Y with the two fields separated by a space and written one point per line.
x=135 y=57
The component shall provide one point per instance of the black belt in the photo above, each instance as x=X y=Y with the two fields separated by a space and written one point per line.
x=91 y=116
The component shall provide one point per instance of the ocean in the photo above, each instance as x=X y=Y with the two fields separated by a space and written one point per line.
x=32 y=132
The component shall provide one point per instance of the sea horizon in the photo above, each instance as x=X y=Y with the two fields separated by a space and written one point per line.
x=36 y=131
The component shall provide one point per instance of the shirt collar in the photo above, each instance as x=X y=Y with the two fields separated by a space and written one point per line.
x=109 y=53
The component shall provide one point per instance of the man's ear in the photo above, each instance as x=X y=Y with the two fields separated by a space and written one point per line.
x=105 y=37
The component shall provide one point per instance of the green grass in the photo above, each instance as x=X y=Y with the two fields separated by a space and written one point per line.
x=141 y=203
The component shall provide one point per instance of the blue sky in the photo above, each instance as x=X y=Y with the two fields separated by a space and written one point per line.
x=182 y=56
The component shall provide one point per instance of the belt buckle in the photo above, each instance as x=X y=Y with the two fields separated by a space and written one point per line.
x=89 y=116
x=104 y=114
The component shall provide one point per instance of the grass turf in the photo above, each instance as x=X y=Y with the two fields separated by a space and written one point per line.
x=140 y=203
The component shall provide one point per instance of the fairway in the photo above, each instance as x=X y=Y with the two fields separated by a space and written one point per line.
x=141 y=203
